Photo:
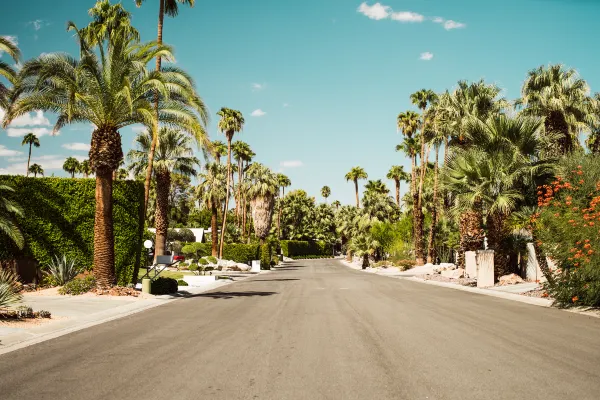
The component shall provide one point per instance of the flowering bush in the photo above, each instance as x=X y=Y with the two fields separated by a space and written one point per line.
x=567 y=228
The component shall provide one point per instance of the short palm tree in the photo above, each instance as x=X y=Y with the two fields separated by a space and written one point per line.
x=31 y=140
x=71 y=165
x=563 y=99
x=8 y=210
x=219 y=150
x=325 y=192
x=231 y=121
x=354 y=175
x=397 y=174
x=85 y=168
x=336 y=204
x=376 y=187
x=262 y=187
x=211 y=192
x=174 y=154
x=111 y=89
x=36 y=169
x=8 y=46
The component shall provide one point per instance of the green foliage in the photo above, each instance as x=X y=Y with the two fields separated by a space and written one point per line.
x=181 y=282
x=10 y=288
x=211 y=259
x=180 y=235
x=62 y=270
x=78 y=286
x=164 y=285
x=241 y=253
x=310 y=257
x=265 y=257
x=189 y=250
x=294 y=248
x=567 y=230
x=203 y=261
x=59 y=219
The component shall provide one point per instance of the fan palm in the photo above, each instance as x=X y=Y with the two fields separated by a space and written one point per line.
x=263 y=186
x=231 y=121
x=325 y=192
x=85 y=168
x=502 y=162
x=397 y=174
x=170 y=8
x=219 y=150
x=376 y=187
x=71 y=165
x=354 y=175
x=336 y=204
x=211 y=192
x=174 y=154
x=8 y=210
x=241 y=151
x=112 y=90
x=282 y=182
x=8 y=46
x=31 y=140
x=562 y=99
x=36 y=169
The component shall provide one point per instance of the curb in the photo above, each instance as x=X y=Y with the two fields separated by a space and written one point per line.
x=158 y=301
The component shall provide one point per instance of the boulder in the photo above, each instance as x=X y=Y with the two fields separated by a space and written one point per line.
x=243 y=267
x=443 y=267
x=454 y=273
x=510 y=279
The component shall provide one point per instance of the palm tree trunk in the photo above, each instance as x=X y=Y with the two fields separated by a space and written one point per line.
x=432 y=233
x=213 y=230
x=471 y=232
x=497 y=231
x=161 y=215
x=28 y=159
x=398 y=192
x=356 y=190
x=104 y=246
x=229 y=137
x=161 y=17
x=238 y=201
x=417 y=221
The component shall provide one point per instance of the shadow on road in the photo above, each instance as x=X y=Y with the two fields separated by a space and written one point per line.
x=274 y=280
x=227 y=295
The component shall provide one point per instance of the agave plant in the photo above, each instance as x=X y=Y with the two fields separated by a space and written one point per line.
x=10 y=288
x=63 y=270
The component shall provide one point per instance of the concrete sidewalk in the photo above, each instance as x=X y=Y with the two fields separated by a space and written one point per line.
x=73 y=313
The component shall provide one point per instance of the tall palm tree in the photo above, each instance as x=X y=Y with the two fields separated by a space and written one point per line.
x=85 y=168
x=174 y=154
x=438 y=138
x=397 y=174
x=71 y=165
x=325 y=192
x=354 y=175
x=263 y=186
x=231 y=121
x=563 y=100
x=241 y=150
x=92 y=89
x=504 y=161
x=8 y=46
x=211 y=192
x=282 y=181
x=170 y=8
x=219 y=150
x=376 y=187
x=247 y=157
x=31 y=140
x=8 y=210
x=36 y=169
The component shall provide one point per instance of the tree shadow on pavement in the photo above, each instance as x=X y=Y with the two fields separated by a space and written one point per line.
x=227 y=295
x=274 y=280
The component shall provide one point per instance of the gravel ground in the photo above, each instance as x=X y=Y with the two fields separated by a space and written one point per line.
x=440 y=278
x=537 y=293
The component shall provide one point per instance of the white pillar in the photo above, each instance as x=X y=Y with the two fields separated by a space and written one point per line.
x=471 y=264
x=485 y=273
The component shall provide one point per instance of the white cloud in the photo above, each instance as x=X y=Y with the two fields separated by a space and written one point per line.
x=285 y=105
x=38 y=24
x=438 y=20
x=453 y=25
x=377 y=11
x=16 y=132
x=48 y=163
x=258 y=113
x=407 y=16
x=16 y=159
x=29 y=120
x=4 y=152
x=258 y=86
x=291 y=164
x=426 y=56
x=77 y=146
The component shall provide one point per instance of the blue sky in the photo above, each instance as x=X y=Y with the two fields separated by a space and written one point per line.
x=328 y=77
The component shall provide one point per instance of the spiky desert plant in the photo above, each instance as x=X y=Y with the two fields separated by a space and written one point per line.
x=63 y=269
x=10 y=288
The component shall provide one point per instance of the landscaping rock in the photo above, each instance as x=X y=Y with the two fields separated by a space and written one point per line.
x=443 y=267
x=243 y=267
x=510 y=279
x=454 y=273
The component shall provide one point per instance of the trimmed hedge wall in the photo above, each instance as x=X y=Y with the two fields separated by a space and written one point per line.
x=298 y=248
x=265 y=257
x=59 y=219
x=240 y=253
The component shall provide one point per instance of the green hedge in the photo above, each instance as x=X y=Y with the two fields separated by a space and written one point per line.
x=240 y=253
x=265 y=257
x=59 y=219
x=297 y=248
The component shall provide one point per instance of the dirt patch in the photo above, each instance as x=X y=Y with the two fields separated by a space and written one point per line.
x=440 y=278
x=28 y=322
x=541 y=293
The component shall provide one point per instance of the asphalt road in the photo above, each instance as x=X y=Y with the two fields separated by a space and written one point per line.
x=319 y=330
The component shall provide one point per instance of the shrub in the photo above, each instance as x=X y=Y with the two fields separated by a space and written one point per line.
x=383 y=264
x=59 y=219
x=10 y=288
x=189 y=251
x=293 y=248
x=78 y=286
x=203 y=261
x=62 y=270
x=181 y=282
x=24 y=312
x=195 y=268
x=43 y=314
x=240 y=253
x=265 y=257
x=405 y=265
x=274 y=260
x=212 y=260
x=566 y=229
x=164 y=285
